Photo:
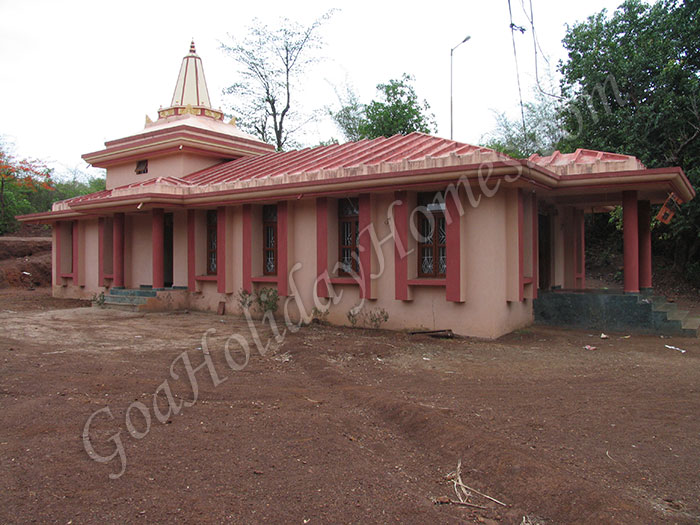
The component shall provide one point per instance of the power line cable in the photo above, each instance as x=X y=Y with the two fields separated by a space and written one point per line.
x=513 y=28
x=536 y=44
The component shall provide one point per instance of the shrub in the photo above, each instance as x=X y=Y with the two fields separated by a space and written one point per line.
x=353 y=316
x=266 y=300
x=245 y=299
x=377 y=316
x=319 y=316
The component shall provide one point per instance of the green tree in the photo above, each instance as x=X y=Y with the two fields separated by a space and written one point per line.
x=542 y=132
x=272 y=62
x=397 y=112
x=632 y=81
x=350 y=116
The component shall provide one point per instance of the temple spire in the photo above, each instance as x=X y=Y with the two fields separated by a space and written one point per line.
x=191 y=86
x=191 y=96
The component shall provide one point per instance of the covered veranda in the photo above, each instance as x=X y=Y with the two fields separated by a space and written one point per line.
x=564 y=297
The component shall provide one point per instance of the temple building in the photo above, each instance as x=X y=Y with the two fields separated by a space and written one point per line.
x=436 y=233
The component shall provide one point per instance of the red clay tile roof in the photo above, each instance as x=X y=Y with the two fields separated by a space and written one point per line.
x=413 y=147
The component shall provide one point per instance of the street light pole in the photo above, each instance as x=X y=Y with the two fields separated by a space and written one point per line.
x=451 y=105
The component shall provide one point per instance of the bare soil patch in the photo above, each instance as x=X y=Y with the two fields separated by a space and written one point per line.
x=25 y=262
x=339 y=425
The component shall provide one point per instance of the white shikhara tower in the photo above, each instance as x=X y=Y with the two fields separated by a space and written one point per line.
x=191 y=95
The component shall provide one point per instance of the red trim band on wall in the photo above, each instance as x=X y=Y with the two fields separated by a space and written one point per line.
x=57 y=269
x=191 y=247
x=247 y=248
x=365 y=272
x=157 y=227
x=282 y=242
x=521 y=255
x=321 y=246
x=630 y=236
x=221 y=249
x=453 y=249
x=401 y=246
x=535 y=246
x=101 y=251
x=118 y=250
x=644 y=225
x=74 y=269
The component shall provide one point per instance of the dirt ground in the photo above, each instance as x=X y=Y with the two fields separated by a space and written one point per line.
x=338 y=425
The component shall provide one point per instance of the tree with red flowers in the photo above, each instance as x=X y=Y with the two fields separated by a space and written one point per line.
x=17 y=178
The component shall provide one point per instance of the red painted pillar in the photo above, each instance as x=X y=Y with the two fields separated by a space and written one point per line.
x=644 y=219
x=247 y=248
x=118 y=250
x=157 y=247
x=521 y=247
x=58 y=270
x=101 y=251
x=76 y=247
x=630 y=241
x=321 y=246
x=535 y=247
x=401 y=246
x=282 y=259
x=365 y=240
x=454 y=274
x=221 y=249
x=582 y=247
x=191 y=270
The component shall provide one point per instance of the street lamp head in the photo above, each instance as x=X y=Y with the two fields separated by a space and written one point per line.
x=466 y=38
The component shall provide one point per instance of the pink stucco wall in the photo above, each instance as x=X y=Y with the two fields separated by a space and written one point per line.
x=170 y=166
x=486 y=238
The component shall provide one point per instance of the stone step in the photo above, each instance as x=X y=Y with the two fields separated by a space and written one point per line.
x=122 y=307
x=125 y=299
x=665 y=307
x=615 y=312
x=691 y=323
x=677 y=315
x=132 y=293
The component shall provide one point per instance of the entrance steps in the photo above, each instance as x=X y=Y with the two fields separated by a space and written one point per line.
x=605 y=310
x=140 y=299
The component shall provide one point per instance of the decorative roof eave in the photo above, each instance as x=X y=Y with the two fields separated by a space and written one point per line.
x=525 y=174
x=155 y=143
x=674 y=176
x=260 y=189
x=379 y=177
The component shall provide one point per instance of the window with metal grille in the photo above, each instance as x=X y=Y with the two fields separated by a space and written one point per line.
x=211 y=242
x=432 y=239
x=269 y=217
x=141 y=167
x=348 y=235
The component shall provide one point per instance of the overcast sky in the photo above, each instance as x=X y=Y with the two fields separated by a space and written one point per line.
x=77 y=73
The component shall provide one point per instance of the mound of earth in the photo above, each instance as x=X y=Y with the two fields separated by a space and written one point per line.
x=25 y=262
